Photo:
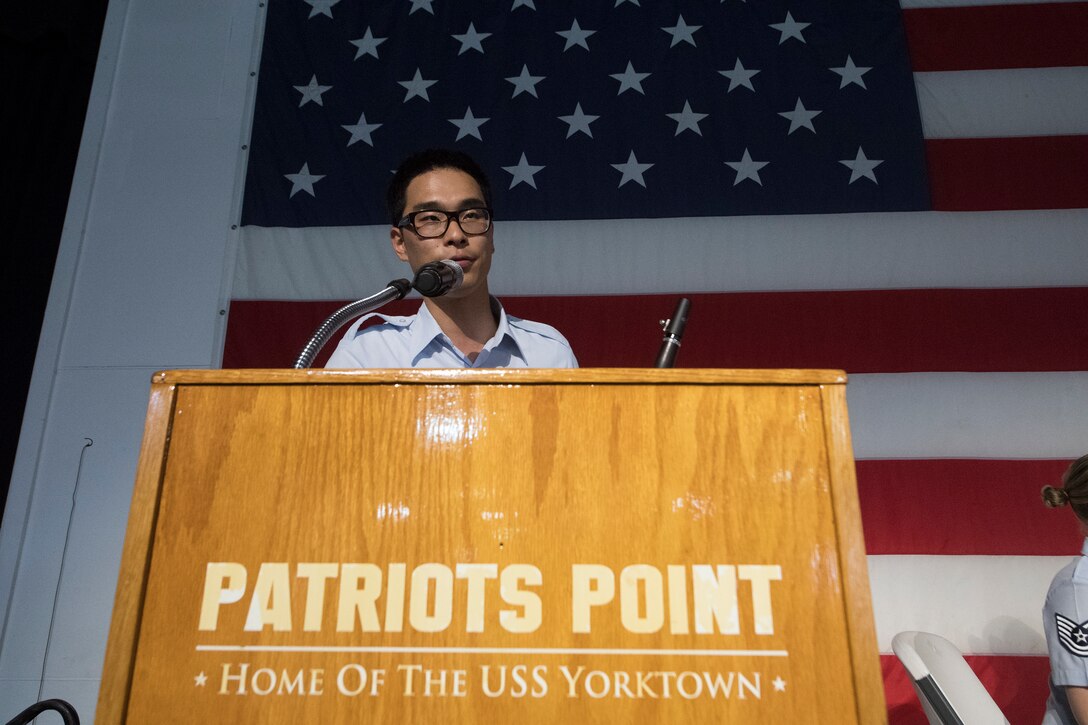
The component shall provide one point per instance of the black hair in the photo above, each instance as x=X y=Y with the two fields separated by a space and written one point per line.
x=429 y=160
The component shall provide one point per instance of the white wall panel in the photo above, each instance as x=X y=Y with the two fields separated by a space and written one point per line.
x=137 y=288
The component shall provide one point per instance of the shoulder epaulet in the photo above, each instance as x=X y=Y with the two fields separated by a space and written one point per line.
x=537 y=328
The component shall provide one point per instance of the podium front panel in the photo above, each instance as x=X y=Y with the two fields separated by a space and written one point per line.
x=591 y=546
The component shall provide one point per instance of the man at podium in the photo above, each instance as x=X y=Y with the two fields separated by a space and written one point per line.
x=439 y=204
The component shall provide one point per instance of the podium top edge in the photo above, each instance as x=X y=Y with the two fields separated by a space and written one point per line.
x=503 y=376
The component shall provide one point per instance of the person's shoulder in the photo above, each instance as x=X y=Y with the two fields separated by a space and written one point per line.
x=542 y=344
x=536 y=328
x=1070 y=583
x=373 y=340
x=376 y=324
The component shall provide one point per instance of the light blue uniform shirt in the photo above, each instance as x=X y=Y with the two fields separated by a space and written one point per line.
x=416 y=341
x=1065 y=624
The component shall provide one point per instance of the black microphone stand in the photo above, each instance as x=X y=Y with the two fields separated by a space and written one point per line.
x=674 y=330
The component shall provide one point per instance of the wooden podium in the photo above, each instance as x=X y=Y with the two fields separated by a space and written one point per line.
x=535 y=546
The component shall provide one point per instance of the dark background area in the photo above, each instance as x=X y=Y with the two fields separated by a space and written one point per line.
x=48 y=53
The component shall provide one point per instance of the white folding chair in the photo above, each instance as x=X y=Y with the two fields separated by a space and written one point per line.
x=949 y=690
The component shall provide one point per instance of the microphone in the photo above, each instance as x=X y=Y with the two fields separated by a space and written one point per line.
x=674 y=330
x=435 y=279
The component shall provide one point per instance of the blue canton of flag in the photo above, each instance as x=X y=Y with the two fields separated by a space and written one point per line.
x=577 y=110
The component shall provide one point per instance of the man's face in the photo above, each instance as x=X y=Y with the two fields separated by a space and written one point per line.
x=446 y=190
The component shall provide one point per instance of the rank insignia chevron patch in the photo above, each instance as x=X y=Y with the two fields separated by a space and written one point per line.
x=1073 y=636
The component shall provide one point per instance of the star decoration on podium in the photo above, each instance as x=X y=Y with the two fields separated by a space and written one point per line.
x=779 y=684
x=201 y=680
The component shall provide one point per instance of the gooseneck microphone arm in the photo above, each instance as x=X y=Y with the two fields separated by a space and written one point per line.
x=674 y=330
x=433 y=279
x=394 y=291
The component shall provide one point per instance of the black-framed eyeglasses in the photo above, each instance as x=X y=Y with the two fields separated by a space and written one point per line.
x=431 y=223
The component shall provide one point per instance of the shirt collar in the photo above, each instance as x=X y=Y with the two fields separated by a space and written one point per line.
x=1084 y=548
x=424 y=330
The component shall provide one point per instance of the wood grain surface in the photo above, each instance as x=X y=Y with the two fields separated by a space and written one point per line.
x=431 y=492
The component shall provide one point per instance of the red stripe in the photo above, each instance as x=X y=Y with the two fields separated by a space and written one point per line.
x=1017 y=684
x=1012 y=330
x=984 y=174
x=997 y=36
x=987 y=507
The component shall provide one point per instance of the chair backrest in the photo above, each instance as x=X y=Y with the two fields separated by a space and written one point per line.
x=949 y=690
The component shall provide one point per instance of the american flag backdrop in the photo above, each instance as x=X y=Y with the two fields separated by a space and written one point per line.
x=897 y=192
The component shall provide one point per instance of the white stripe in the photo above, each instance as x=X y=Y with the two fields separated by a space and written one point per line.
x=632 y=256
x=912 y=4
x=998 y=103
x=968 y=415
x=498 y=650
x=983 y=604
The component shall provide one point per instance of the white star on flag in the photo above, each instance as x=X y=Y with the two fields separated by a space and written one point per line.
x=421 y=5
x=525 y=83
x=470 y=39
x=632 y=170
x=523 y=172
x=522 y=3
x=303 y=181
x=800 y=117
x=361 y=131
x=320 y=7
x=860 y=166
x=851 y=73
x=746 y=168
x=629 y=79
x=367 y=45
x=575 y=36
x=620 y=2
x=687 y=120
x=469 y=125
x=311 y=92
x=739 y=76
x=578 y=121
x=417 y=87
x=790 y=28
x=682 y=32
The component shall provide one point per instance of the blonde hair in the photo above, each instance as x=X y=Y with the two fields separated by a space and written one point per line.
x=1074 y=490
